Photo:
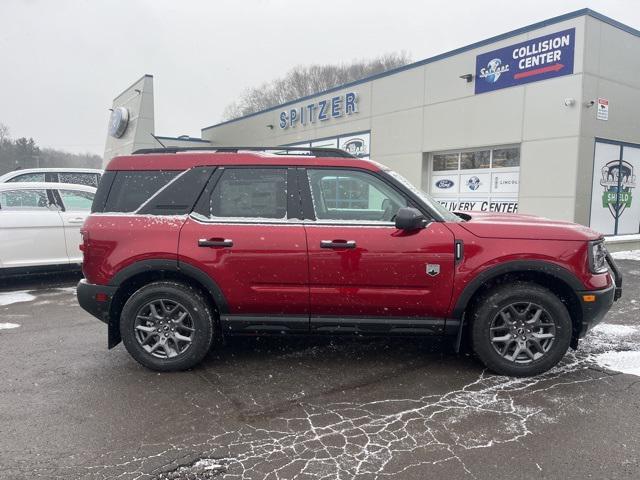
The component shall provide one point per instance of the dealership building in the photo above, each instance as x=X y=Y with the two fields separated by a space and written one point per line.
x=542 y=120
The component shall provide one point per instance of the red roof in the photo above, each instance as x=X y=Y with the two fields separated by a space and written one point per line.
x=185 y=160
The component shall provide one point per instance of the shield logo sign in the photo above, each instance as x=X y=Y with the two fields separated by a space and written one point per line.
x=433 y=269
x=618 y=180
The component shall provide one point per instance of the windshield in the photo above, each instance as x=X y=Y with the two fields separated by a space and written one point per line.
x=426 y=198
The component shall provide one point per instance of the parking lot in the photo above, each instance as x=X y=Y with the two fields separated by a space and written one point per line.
x=306 y=408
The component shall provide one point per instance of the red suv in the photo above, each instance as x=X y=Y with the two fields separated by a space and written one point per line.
x=186 y=245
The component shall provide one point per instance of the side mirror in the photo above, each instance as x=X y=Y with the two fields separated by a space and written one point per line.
x=409 y=218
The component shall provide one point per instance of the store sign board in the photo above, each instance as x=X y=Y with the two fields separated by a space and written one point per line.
x=319 y=111
x=505 y=182
x=475 y=183
x=356 y=145
x=444 y=184
x=615 y=208
x=501 y=205
x=537 y=59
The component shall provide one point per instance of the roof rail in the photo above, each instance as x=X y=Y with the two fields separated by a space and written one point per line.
x=314 y=151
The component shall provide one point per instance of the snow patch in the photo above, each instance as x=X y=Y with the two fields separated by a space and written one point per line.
x=7 y=298
x=625 y=362
x=67 y=290
x=7 y=326
x=627 y=255
x=203 y=469
x=615 y=330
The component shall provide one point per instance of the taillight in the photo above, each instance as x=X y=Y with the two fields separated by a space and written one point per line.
x=85 y=240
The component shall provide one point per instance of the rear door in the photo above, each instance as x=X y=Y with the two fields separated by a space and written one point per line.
x=31 y=231
x=245 y=234
x=76 y=206
x=365 y=274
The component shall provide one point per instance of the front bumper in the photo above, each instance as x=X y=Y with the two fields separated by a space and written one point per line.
x=593 y=311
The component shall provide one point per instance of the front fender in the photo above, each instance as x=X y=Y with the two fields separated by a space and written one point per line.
x=486 y=273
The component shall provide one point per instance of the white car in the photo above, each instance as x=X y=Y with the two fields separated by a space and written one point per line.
x=40 y=225
x=81 y=176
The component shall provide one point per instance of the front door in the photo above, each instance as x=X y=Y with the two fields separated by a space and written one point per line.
x=365 y=274
x=245 y=237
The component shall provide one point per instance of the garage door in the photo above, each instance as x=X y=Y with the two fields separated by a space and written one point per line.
x=486 y=179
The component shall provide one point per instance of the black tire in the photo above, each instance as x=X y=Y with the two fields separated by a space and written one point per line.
x=487 y=312
x=199 y=318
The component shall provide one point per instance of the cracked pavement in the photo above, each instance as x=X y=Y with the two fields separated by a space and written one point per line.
x=305 y=408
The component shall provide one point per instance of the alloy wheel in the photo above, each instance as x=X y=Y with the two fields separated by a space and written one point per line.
x=522 y=332
x=164 y=328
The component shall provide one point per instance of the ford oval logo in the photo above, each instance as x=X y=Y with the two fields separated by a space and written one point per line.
x=444 y=183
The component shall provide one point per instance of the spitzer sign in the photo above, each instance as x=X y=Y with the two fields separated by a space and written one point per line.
x=536 y=59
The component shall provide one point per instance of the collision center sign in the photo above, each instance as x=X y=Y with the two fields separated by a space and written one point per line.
x=537 y=59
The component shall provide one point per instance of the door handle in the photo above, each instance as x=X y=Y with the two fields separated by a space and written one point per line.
x=337 y=244
x=76 y=220
x=215 y=242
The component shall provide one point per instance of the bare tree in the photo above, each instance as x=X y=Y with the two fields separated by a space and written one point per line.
x=4 y=133
x=308 y=80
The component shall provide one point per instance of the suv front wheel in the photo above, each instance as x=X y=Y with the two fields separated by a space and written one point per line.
x=520 y=329
x=167 y=326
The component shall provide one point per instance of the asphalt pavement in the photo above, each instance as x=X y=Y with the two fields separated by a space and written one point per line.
x=305 y=408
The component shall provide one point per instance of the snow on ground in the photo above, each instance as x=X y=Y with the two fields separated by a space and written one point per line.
x=625 y=362
x=610 y=329
x=614 y=347
x=67 y=289
x=7 y=326
x=627 y=255
x=7 y=298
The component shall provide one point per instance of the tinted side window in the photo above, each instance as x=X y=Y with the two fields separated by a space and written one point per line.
x=130 y=190
x=90 y=179
x=351 y=195
x=250 y=193
x=29 y=177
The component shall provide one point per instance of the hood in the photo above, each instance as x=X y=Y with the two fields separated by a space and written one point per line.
x=518 y=226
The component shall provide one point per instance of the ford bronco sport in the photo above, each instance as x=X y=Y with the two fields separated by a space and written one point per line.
x=185 y=245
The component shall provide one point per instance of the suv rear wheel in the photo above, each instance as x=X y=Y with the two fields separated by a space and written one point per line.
x=167 y=326
x=520 y=329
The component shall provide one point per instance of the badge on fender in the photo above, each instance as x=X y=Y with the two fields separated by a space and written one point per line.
x=433 y=269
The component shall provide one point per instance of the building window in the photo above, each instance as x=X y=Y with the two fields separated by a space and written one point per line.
x=472 y=160
x=483 y=179
x=506 y=157
x=446 y=161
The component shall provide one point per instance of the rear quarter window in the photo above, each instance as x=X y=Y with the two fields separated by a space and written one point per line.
x=128 y=190
x=79 y=178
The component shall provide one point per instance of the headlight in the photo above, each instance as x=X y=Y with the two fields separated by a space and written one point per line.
x=597 y=257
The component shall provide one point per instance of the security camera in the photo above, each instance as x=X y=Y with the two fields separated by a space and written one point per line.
x=569 y=102
x=589 y=103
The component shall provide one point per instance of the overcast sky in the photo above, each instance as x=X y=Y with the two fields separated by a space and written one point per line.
x=63 y=61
